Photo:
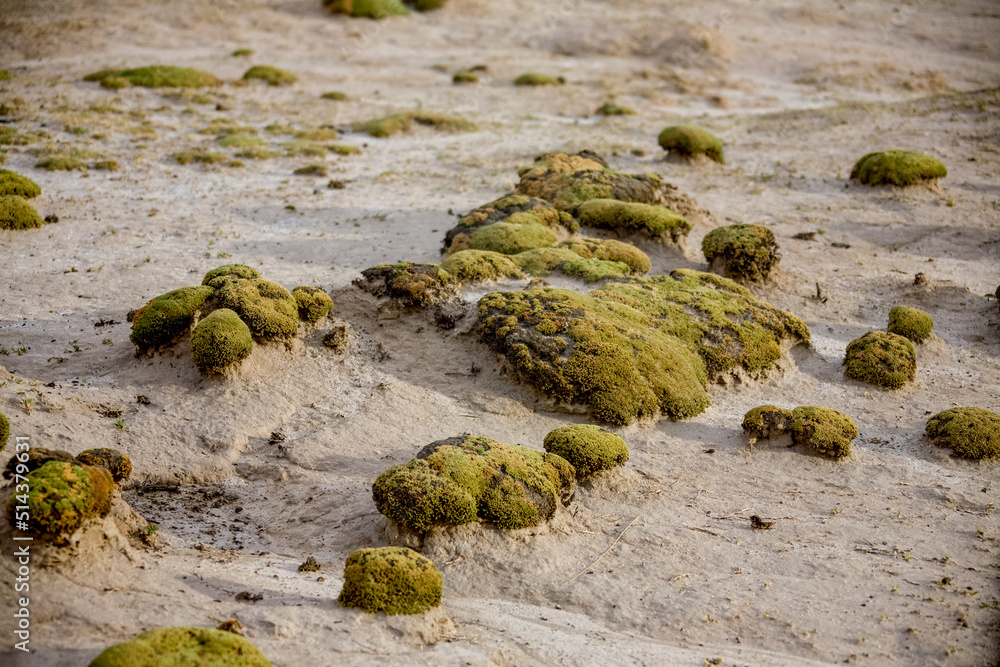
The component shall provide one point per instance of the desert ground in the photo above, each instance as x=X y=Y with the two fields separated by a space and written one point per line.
x=890 y=556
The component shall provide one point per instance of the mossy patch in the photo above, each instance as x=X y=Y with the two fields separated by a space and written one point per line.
x=37 y=457
x=220 y=341
x=511 y=238
x=765 y=422
x=12 y=183
x=115 y=462
x=897 y=168
x=318 y=134
x=465 y=76
x=17 y=213
x=314 y=303
x=335 y=95
x=538 y=79
x=609 y=109
x=426 y=5
x=4 y=430
x=311 y=170
x=257 y=153
x=403 y=122
x=610 y=250
x=971 y=433
x=513 y=209
x=167 y=317
x=173 y=647
x=272 y=76
x=639 y=348
x=62 y=496
x=823 y=430
x=218 y=276
x=156 y=76
x=63 y=163
x=911 y=323
x=657 y=222
x=344 y=149
x=240 y=141
x=412 y=285
x=373 y=9
x=467 y=478
x=480 y=265
x=265 y=306
x=588 y=448
x=880 y=358
x=392 y=580
x=200 y=155
x=242 y=53
x=689 y=140
x=745 y=253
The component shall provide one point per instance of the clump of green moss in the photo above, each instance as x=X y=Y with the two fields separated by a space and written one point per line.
x=657 y=222
x=823 y=429
x=223 y=126
x=897 y=168
x=61 y=164
x=610 y=250
x=971 y=433
x=173 y=647
x=272 y=76
x=374 y=9
x=220 y=341
x=62 y=496
x=911 y=323
x=467 y=478
x=115 y=462
x=4 y=75
x=479 y=265
x=17 y=213
x=219 y=276
x=257 y=153
x=167 y=317
x=690 y=140
x=412 y=285
x=589 y=449
x=512 y=209
x=240 y=141
x=199 y=155
x=344 y=149
x=311 y=170
x=884 y=359
x=637 y=348
x=265 y=306
x=12 y=183
x=538 y=79
x=543 y=261
x=314 y=303
x=609 y=109
x=402 y=122
x=241 y=53
x=106 y=165
x=594 y=270
x=335 y=95
x=511 y=238
x=156 y=76
x=393 y=580
x=318 y=134
x=305 y=148
x=37 y=457
x=745 y=253
x=426 y=5
x=4 y=430
x=465 y=76
x=765 y=422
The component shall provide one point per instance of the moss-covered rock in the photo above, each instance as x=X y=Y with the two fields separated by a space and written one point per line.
x=272 y=76
x=745 y=253
x=467 y=478
x=480 y=265
x=220 y=341
x=638 y=348
x=412 y=285
x=156 y=76
x=765 y=422
x=610 y=250
x=12 y=183
x=37 y=457
x=911 y=323
x=265 y=306
x=689 y=141
x=657 y=222
x=402 y=122
x=179 y=646
x=62 y=496
x=884 y=359
x=823 y=430
x=219 y=276
x=588 y=448
x=897 y=168
x=17 y=213
x=538 y=79
x=609 y=109
x=4 y=430
x=313 y=302
x=512 y=209
x=511 y=238
x=115 y=462
x=971 y=433
x=167 y=317
x=392 y=580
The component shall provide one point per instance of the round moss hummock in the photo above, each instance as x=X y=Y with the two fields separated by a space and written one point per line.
x=897 y=168
x=609 y=109
x=115 y=462
x=265 y=306
x=610 y=250
x=480 y=265
x=62 y=496
x=273 y=76
x=220 y=341
x=744 y=253
x=765 y=422
x=823 y=429
x=911 y=323
x=690 y=140
x=510 y=238
x=156 y=76
x=657 y=222
x=971 y=433
x=177 y=647
x=167 y=317
x=313 y=302
x=537 y=79
x=12 y=183
x=880 y=358
x=17 y=213
x=393 y=580
x=589 y=449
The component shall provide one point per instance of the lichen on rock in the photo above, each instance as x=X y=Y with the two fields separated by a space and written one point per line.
x=589 y=449
x=745 y=253
x=392 y=580
x=412 y=285
x=971 y=433
x=880 y=358
x=173 y=647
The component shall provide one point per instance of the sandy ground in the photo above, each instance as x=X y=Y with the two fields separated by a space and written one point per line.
x=888 y=557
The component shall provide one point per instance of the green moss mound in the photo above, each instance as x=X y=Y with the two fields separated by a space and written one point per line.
x=242 y=53
x=823 y=430
x=272 y=76
x=513 y=209
x=17 y=213
x=199 y=155
x=4 y=430
x=403 y=122
x=765 y=422
x=465 y=76
x=589 y=449
x=884 y=359
x=971 y=433
x=540 y=262
x=639 y=348
x=657 y=222
x=220 y=276
x=12 y=183
x=373 y=9
x=156 y=76
x=167 y=317
x=595 y=270
x=335 y=95
x=37 y=457
x=265 y=306
x=479 y=265
x=897 y=168
x=240 y=141
x=61 y=164
x=538 y=79
x=314 y=303
x=910 y=323
x=220 y=341
x=690 y=140
x=62 y=496
x=459 y=480
x=412 y=285
x=745 y=253
x=426 y=5
x=610 y=250
x=392 y=580
x=179 y=646
x=609 y=109
x=115 y=462
x=510 y=238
